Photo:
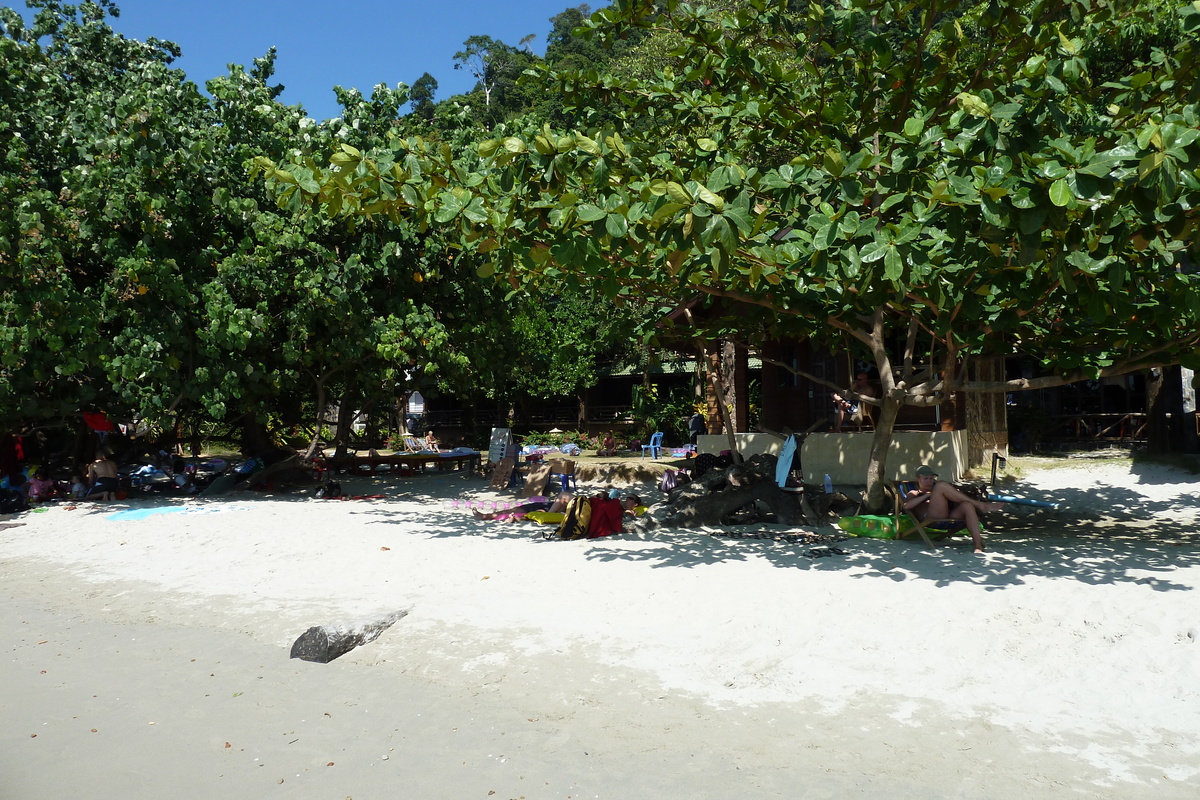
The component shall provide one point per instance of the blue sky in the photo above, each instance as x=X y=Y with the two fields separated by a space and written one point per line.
x=320 y=44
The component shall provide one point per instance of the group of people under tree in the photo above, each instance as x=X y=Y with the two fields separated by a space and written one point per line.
x=49 y=463
x=630 y=504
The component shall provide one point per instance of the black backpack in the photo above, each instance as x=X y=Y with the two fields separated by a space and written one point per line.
x=12 y=501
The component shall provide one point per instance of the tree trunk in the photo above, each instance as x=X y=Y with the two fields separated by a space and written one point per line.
x=880 y=444
x=1159 y=402
x=316 y=440
x=373 y=438
x=341 y=438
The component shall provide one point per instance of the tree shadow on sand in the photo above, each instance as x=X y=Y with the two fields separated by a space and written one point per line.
x=1116 y=503
x=1132 y=540
x=1143 y=556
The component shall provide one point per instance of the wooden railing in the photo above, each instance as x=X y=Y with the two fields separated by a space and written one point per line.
x=1121 y=427
x=609 y=414
x=562 y=416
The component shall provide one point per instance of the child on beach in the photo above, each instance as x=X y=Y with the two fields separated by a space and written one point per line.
x=40 y=487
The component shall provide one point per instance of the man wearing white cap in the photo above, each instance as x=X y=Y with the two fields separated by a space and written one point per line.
x=934 y=499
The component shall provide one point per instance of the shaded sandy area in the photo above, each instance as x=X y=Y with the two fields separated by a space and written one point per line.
x=149 y=654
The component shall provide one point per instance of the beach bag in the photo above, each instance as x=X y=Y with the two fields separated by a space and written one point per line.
x=577 y=516
x=607 y=514
x=672 y=478
x=329 y=491
x=12 y=501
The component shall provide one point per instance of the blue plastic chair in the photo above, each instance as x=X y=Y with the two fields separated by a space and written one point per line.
x=655 y=446
x=564 y=473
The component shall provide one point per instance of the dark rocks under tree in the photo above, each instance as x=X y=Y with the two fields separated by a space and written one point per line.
x=748 y=493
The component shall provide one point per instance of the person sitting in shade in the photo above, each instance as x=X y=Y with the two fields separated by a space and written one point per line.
x=609 y=446
x=934 y=499
x=843 y=407
x=102 y=476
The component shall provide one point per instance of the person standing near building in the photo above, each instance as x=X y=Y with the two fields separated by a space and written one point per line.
x=696 y=426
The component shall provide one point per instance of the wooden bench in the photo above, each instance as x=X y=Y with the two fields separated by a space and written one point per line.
x=404 y=463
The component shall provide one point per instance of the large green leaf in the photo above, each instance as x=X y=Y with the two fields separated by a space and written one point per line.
x=713 y=200
x=678 y=193
x=893 y=263
x=616 y=225
x=590 y=213
x=1060 y=193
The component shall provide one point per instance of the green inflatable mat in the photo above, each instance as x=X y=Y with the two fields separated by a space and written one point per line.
x=876 y=526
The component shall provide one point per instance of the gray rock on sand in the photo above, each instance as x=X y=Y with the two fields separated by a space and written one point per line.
x=324 y=643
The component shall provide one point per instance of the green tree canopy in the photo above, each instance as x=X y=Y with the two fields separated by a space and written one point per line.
x=952 y=177
x=143 y=271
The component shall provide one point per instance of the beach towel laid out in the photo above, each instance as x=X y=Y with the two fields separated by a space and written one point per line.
x=153 y=511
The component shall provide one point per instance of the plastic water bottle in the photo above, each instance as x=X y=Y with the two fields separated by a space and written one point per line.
x=828 y=484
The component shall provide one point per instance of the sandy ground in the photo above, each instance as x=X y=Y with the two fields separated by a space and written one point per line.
x=148 y=658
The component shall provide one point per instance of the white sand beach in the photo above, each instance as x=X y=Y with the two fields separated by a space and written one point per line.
x=148 y=657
